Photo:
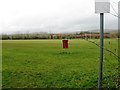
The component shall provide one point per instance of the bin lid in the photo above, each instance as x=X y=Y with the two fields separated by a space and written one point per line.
x=65 y=39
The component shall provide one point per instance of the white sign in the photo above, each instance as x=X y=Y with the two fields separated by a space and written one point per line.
x=102 y=6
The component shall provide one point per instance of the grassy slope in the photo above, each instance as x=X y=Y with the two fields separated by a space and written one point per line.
x=43 y=63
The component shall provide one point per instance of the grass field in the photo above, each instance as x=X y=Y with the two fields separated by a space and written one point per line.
x=43 y=63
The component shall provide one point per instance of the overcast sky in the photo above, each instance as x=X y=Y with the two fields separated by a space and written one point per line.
x=52 y=16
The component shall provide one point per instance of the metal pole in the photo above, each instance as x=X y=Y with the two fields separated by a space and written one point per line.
x=101 y=50
x=118 y=43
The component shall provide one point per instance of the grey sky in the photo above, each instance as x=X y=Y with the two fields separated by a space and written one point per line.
x=52 y=16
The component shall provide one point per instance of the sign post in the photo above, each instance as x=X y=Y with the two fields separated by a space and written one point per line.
x=101 y=49
x=118 y=43
x=101 y=7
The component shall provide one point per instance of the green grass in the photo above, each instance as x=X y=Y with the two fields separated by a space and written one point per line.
x=43 y=63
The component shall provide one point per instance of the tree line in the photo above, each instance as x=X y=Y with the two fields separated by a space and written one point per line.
x=87 y=35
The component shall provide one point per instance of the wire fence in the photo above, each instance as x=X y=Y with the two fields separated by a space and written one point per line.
x=103 y=48
x=109 y=62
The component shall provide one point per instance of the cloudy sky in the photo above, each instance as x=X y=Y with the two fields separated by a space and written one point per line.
x=21 y=16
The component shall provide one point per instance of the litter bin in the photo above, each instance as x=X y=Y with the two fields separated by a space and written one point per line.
x=65 y=43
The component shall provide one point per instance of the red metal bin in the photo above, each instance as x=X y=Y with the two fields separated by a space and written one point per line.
x=65 y=43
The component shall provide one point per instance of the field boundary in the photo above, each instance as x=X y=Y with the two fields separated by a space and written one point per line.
x=103 y=48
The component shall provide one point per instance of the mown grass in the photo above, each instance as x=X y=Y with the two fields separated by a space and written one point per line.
x=43 y=63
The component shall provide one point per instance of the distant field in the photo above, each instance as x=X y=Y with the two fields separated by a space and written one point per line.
x=43 y=63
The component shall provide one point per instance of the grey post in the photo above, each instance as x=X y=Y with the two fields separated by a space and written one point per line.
x=101 y=7
x=101 y=50
x=119 y=43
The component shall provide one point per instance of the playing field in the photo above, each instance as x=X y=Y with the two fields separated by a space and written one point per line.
x=44 y=63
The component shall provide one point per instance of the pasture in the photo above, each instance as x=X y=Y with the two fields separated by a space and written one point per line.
x=45 y=64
